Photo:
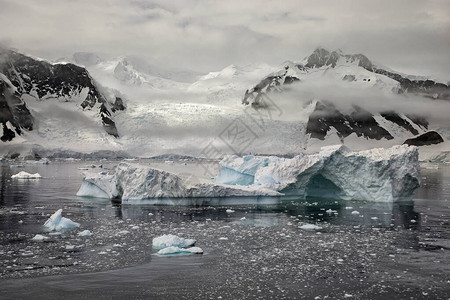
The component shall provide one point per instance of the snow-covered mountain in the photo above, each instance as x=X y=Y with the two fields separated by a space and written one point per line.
x=78 y=105
x=31 y=89
x=342 y=73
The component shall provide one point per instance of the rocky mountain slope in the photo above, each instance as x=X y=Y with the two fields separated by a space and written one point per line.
x=357 y=71
x=24 y=79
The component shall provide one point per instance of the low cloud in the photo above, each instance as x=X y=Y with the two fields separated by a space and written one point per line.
x=411 y=36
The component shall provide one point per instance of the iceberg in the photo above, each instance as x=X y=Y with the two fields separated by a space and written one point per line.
x=133 y=183
x=179 y=251
x=170 y=240
x=25 y=175
x=335 y=172
x=57 y=222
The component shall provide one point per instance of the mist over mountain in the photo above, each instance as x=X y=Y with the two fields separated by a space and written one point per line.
x=126 y=104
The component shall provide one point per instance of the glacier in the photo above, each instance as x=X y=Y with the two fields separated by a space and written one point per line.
x=336 y=172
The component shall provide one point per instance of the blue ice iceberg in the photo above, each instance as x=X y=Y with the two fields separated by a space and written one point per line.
x=170 y=240
x=59 y=223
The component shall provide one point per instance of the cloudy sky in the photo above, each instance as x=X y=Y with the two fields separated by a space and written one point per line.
x=412 y=36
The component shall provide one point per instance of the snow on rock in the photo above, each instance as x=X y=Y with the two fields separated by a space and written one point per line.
x=170 y=240
x=335 y=172
x=172 y=250
x=59 y=223
x=25 y=175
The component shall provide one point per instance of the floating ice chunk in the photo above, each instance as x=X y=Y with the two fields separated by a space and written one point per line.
x=25 y=175
x=179 y=251
x=59 y=223
x=170 y=240
x=85 y=233
x=355 y=212
x=229 y=211
x=40 y=238
x=310 y=227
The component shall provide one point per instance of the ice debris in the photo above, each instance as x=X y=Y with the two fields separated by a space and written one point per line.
x=85 y=233
x=25 y=175
x=310 y=227
x=180 y=251
x=170 y=240
x=40 y=238
x=59 y=223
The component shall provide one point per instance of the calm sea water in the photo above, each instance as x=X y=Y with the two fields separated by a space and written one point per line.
x=363 y=250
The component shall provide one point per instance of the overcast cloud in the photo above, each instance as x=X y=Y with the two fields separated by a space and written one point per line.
x=412 y=36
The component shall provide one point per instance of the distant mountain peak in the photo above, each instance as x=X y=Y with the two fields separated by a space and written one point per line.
x=322 y=57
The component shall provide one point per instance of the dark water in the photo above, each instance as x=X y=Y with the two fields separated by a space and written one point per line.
x=362 y=251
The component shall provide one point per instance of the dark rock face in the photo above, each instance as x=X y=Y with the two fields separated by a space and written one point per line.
x=14 y=111
x=429 y=138
x=43 y=80
x=395 y=118
x=325 y=116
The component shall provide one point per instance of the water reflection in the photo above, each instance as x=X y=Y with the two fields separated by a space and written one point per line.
x=311 y=210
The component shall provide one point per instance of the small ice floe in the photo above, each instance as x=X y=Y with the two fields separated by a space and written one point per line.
x=59 y=223
x=170 y=240
x=229 y=211
x=27 y=254
x=243 y=218
x=25 y=175
x=123 y=232
x=348 y=207
x=355 y=212
x=310 y=227
x=179 y=251
x=374 y=218
x=40 y=238
x=85 y=233
x=70 y=247
x=20 y=222
x=330 y=211
x=222 y=238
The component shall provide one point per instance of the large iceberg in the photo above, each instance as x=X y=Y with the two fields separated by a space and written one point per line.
x=335 y=172
x=133 y=183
